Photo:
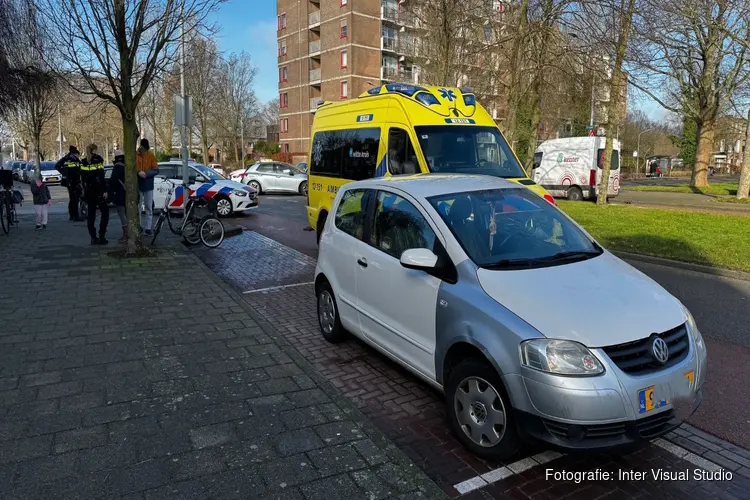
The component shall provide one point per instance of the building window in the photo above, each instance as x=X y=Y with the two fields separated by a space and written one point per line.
x=282 y=47
x=284 y=100
x=285 y=148
x=344 y=2
x=344 y=89
x=284 y=125
x=344 y=29
x=282 y=21
x=283 y=74
x=344 y=60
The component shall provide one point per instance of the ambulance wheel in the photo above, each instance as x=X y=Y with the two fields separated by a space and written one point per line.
x=575 y=193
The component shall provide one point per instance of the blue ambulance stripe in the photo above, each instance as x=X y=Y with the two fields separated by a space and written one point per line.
x=382 y=169
x=202 y=190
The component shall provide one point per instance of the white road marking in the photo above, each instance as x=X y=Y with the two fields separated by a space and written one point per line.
x=525 y=464
x=278 y=287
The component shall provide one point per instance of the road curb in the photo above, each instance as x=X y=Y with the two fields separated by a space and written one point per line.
x=719 y=210
x=688 y=266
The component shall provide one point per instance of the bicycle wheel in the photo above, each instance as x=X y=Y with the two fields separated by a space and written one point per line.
x=4 y=217
x=191 y=232
x=157 y=228
x=211 y=232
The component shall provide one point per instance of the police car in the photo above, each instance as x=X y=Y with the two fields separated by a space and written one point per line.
x=230 y=196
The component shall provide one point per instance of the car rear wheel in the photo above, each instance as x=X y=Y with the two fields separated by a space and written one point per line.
x=575 y=193
x=328 y=315
x=321 y=224
x=479 y=410
x=255 y=185
x=223 y=206
x=303 y=188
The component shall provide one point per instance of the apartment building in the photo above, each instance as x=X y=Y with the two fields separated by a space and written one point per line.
x=331 y=50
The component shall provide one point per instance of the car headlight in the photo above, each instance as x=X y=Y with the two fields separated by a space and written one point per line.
x=693 y=328
x=561 y=357
x=239 y=193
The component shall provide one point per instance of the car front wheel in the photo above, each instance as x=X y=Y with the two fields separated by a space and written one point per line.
x=224 y=206
x=479 y=411
x=255 y=185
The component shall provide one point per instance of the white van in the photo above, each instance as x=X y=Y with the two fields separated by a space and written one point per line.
x=571 y=167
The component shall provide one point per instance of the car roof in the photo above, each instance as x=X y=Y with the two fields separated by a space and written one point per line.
x=426 y=185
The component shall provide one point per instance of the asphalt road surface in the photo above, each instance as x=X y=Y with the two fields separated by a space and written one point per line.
x=718 y=304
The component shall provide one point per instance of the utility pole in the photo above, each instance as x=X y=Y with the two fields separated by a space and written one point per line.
x=593 y=101
x=242 y=140
x=59 y=129
x=183 y=129
x=638 y=148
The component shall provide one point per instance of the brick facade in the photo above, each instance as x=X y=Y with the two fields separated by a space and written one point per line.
x=314 y=38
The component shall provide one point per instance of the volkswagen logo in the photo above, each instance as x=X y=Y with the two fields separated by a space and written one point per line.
x=660 y=350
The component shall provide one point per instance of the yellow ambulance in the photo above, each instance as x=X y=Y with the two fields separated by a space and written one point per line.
x=399 y=129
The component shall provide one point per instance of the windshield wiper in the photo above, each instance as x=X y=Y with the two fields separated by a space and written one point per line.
x=560 y=256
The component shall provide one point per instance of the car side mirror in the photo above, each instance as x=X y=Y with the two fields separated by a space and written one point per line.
x=419 y=258
x=291 y=173
x=200 y=178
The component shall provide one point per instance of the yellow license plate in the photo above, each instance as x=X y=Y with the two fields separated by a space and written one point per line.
x=648 y=400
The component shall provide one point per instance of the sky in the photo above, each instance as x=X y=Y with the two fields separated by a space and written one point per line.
x=250 y=25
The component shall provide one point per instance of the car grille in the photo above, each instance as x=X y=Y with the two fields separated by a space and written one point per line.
x=645 y=428
x=635 y=358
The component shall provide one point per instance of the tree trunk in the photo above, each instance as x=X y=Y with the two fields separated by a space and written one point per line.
x=704 y=150
x=129 y=144
x=37 y=144
x=743 y=190
x=615 y=97
x=515 y=97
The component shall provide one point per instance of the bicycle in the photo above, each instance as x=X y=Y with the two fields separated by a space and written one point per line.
x=206 y=229
x=8 y=216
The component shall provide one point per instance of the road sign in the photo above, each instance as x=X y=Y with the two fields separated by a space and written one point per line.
x=635 y=154
x=183 y=112
x=592 y=133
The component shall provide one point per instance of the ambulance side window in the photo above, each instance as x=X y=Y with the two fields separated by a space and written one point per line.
x=401 y=156
x=538 y=160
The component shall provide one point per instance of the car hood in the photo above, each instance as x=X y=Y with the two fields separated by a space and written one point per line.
x=598 y=302
x=234 y=185
x=50 y=172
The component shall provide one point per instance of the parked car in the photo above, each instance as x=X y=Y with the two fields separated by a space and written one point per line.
x=18 y=170
x=302 y=167
x=217 y=167
x=49 y=173
x=492 y=294
x=28 y=171
x=269 y=177
x=230 y=196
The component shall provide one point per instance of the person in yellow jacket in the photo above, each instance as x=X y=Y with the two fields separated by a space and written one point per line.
x=147 y=169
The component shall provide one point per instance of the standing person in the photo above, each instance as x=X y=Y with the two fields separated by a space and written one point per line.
x=70 y=167
x=94 y=186
x=42 y=200
x=117 y=192
x=147 y=170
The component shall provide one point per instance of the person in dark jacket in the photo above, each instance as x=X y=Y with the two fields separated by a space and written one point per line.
x=95 y=190
x=117 y=192
x=70 y=168
x=42 y=201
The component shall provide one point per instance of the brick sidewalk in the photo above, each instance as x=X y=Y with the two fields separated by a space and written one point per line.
x=151 y=379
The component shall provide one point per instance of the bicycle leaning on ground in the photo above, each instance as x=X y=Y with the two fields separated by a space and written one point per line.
x=196 y=228
x=8 y=201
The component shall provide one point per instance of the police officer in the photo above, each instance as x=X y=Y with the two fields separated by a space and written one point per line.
x=70 y=167
x=95 y=190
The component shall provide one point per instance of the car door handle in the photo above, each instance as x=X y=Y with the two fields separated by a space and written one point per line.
x=362 y=262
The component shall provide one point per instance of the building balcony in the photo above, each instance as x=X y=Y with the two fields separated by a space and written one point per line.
x=315 y=76
x=315 y=103
x=406 y=75
x=389 y=14
x=313 y=19
x=388 y=73
x=314 y=47
x=388 y=44
x=406 y=48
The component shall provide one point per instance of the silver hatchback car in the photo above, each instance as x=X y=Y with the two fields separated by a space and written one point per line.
x=495 y=296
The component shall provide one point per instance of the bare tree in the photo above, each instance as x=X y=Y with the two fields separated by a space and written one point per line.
x=114 y=50
x=691 y=62
x=238 y=102
x=201 y=81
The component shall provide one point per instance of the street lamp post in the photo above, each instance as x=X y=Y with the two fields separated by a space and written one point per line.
x=638 y=148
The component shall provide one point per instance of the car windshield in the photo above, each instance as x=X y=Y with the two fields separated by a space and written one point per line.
x=468 y=150
x=47 y=165
x=512 y=228
x=208 y=173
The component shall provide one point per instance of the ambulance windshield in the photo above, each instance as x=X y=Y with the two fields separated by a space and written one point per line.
x=468 y=150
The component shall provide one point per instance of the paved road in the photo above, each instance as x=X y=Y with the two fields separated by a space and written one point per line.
x=673 y=181
x=719 y=305
x=689 y=201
